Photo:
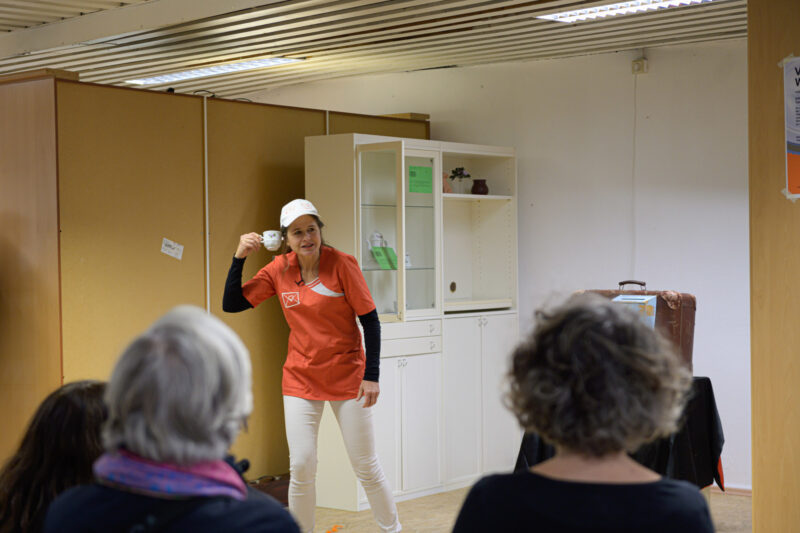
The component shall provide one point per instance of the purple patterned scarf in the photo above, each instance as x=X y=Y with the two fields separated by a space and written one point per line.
x=126 y=471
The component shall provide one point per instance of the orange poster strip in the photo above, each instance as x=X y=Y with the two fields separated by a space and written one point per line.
x=793 y=172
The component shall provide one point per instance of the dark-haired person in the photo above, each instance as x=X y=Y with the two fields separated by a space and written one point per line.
x=177 y=398
x=321 y=291
x=595 y=381
x=56 y=453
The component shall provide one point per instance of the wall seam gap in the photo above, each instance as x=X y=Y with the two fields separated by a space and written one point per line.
x=633 y=178
x=205 y=204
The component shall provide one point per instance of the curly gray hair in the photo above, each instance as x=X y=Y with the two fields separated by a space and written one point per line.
x=594 y=379
x=181 y=391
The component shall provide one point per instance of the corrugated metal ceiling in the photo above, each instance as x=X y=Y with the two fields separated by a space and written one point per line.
x=354 y=37
x=19 y=14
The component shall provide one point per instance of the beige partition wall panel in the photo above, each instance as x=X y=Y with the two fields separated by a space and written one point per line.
x=130 y=175
x=775 y=262
x=30 y=351
x=255 y=166
x=393 y=127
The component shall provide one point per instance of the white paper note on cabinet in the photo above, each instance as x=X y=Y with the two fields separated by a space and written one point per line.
x=172 y=249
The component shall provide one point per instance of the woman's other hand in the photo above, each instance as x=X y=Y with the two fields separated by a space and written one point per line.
x=248 y=243
x=369 y=390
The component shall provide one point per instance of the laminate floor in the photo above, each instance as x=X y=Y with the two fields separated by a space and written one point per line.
x=437 y=513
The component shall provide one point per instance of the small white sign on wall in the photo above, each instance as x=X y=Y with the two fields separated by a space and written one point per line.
x=172 y=249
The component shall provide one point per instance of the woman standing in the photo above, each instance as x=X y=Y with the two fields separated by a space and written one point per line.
x=321 y=291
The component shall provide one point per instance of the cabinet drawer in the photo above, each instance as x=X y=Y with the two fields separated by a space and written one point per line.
x=404 y=330
x=417 y=345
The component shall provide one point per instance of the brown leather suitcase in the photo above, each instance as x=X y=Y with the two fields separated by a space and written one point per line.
x=275 y=486
x=674 y=314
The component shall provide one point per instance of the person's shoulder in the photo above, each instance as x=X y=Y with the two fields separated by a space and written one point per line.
x=681 y=492
x=497 y=484
x=280 y=261
x=74 y=507
x=497 y=502
x=493 y=480
x=338 y=255
x=276 y=268
x=682 y=507
x=78 y=495
x=258 y=513
x=340 y=260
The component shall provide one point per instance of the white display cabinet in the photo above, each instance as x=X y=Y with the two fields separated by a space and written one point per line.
x=439 y=421
x=454 y=252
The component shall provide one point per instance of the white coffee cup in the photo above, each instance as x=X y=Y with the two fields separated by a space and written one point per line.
x=271 y=239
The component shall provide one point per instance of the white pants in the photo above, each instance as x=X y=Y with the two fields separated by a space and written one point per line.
x=355 y=422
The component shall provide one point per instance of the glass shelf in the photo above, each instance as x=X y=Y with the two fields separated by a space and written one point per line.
x=379 y=205
x=420 y=268
x=419 y=207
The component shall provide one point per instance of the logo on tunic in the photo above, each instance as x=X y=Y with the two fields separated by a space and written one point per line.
x=290 y=299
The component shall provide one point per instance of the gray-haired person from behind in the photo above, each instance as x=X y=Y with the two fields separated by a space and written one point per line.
x=596 y=382
x=177 y=398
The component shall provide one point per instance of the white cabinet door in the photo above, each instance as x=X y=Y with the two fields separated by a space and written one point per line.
x=421 y=408
x=461 y=386
x=501 y=432
x=386 y=422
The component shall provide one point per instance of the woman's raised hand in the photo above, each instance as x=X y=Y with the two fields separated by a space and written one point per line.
x=249 y=242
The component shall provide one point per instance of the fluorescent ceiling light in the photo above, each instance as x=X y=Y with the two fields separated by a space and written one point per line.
x=620 y=8
x=214 y=71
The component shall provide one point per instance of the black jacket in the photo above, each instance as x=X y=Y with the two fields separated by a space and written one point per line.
x=97 y=508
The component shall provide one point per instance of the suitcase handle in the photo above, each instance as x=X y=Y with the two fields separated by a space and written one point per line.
x=642 y=284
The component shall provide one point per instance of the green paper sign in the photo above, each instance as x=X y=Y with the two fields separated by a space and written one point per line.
x=420 y=179
x=379 y=253
x=391 y=256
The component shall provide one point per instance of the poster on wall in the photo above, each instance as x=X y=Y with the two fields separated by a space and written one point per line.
x=791 y=99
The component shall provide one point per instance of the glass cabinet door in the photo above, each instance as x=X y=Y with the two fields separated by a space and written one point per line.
x=380 y=221
x=422 y=183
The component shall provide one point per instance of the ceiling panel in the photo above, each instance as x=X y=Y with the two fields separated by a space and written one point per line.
x=20 y=14
x=355 y=37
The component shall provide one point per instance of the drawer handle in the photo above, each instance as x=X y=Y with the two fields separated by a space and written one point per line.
x=431 y=328
x=433 y=345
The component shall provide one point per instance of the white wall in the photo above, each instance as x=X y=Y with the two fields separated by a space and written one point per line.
x=619 y=177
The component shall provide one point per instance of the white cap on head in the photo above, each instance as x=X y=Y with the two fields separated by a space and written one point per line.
x=295 y=209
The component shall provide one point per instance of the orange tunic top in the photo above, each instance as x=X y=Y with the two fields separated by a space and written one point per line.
x=325 y=360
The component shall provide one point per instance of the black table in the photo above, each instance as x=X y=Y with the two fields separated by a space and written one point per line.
x=692 y=454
